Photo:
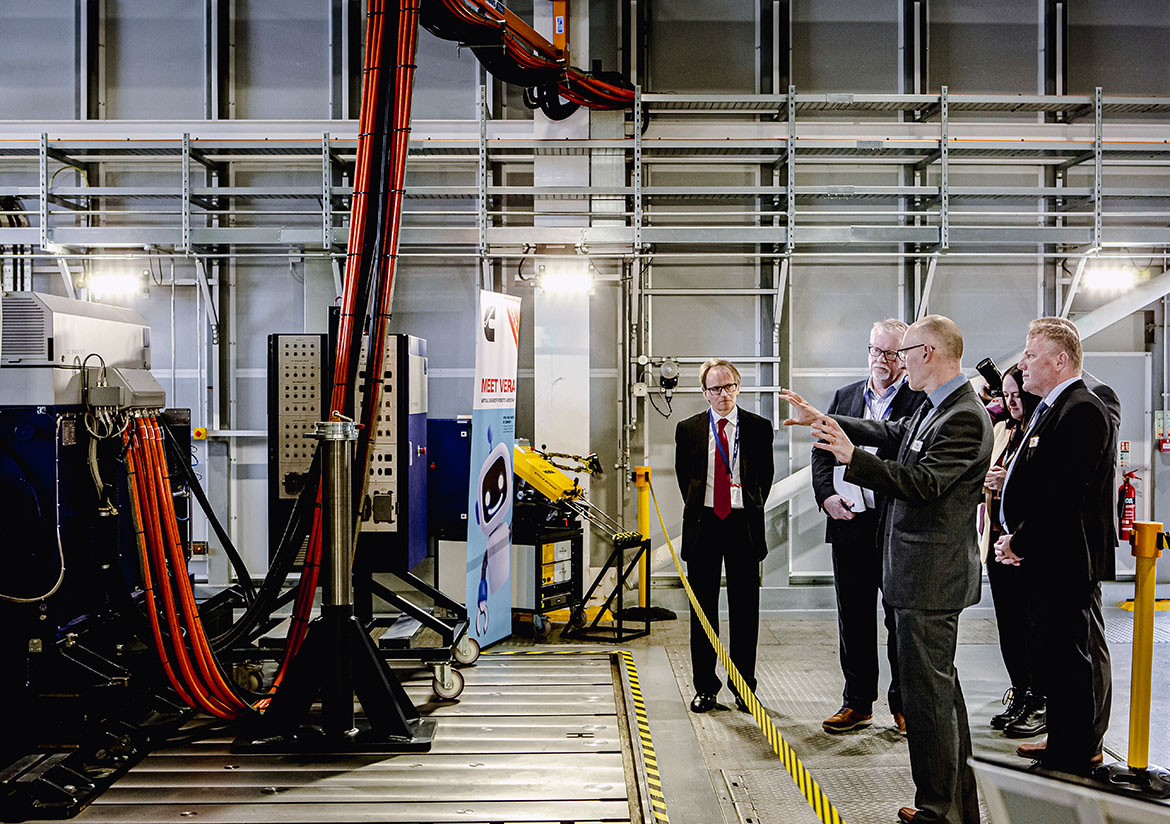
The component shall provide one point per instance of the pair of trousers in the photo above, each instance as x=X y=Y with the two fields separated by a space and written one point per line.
x=1062 y=618
x=857 y=580
x=1009 y=594
x=724 y=546
x=936 y=717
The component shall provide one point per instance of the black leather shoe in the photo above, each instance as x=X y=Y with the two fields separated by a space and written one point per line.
x=703 y=702
x=1032 y=721
x=741 y=705
x=1016 y=701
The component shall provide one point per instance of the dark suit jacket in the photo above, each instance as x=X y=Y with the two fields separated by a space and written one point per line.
x=930 y=556
x=1057 y=502
x=755 y=473
x=1106 y=564
x=850 y=400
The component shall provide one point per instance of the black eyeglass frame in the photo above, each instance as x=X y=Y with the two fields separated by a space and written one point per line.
x=926 y=347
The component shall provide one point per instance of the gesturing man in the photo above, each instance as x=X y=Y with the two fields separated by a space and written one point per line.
x=1057 y=517
x=723 y=462
x=930 y=562
x=852 y=531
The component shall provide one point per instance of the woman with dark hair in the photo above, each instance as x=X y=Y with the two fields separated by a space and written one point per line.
x=1025 y=713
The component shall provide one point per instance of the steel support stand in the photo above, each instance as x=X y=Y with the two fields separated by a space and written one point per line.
x=338 y=659
x=1138 y=774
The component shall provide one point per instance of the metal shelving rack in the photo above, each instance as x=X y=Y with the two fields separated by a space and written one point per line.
x=1072 y=143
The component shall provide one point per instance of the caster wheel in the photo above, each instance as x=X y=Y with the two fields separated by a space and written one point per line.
x=577 y=620
x=541 y=626
x=466 y=651
x=448 y=683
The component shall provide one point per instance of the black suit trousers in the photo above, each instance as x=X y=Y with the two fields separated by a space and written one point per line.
x=1064 y=672
x=857 y=579
x=724 y=545
x=1010 y=593
x=1102 y=670
x=936 y=717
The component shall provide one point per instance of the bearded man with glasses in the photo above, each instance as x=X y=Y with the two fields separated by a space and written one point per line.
x=724 y=464
x=852 y=530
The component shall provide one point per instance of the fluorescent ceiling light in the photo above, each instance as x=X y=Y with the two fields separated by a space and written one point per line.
x=1109 y=278
x=113 y=284
x=566 y=282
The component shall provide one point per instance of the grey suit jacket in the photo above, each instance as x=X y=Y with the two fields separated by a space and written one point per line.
x=930 y=554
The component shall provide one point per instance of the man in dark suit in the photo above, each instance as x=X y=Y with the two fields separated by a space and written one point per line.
x=852 y=531
x=1104 y=565
x=930 y=560
x=723 y=462
x=1057 y=515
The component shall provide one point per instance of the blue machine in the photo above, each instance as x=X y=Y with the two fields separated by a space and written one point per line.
x=449 y=469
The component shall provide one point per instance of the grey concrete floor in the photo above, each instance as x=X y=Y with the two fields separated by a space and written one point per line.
x=865 y=773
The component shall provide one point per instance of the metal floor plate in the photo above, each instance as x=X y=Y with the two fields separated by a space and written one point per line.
x=536 y=738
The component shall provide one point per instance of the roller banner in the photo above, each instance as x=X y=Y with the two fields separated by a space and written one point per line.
x=493 y=429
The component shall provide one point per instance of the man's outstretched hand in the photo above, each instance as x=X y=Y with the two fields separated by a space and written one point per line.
x=803 y=413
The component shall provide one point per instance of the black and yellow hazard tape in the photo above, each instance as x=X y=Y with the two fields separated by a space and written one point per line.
x=645 y=741
x=649 y=759
x=809 y=788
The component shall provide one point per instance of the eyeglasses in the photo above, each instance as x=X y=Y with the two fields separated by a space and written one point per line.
x=890 y=355
x=903 y=352
x=719 y=390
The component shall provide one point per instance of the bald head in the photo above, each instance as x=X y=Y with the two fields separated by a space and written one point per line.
x=941 y=333
x=933 y=348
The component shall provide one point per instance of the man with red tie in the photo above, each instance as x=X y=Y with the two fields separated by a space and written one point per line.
x=724 y=464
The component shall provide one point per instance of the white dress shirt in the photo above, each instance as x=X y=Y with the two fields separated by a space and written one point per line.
x=713 y=456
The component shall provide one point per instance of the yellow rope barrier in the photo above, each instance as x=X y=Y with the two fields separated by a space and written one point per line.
x=809 y=788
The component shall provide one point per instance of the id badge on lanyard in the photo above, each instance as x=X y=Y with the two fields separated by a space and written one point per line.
x=736 y=489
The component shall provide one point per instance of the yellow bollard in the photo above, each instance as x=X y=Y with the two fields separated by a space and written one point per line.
x=1146 y=541
x=642 y=484
x=1146 y=551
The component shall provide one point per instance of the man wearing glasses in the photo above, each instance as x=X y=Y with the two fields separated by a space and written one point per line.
x=723 y=462
x=930 y=557
x=852 y=530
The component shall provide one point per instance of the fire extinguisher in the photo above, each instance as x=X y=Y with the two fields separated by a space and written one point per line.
x=1127 y=504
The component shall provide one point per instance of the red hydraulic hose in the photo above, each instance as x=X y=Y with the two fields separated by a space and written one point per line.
x=404 y=71
x=208 y=667
x=154 y=541
x=147 y=579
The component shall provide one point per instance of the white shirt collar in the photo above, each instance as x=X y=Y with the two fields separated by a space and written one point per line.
x=1051 y=397
x=732 y=416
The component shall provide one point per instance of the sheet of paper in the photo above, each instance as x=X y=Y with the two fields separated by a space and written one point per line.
x=848 y=491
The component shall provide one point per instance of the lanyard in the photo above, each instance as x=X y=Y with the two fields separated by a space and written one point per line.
x=719 y=445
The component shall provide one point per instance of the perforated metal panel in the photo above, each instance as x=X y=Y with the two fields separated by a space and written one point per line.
x=382 y=490
x=298 y=395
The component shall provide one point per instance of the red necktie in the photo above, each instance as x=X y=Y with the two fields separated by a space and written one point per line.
x=722 y=496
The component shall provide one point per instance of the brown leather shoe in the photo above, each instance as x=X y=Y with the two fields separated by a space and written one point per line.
x=846 y=719
x=1032 y=749
x=900 y=723
x=1037 y=750
x=907 y=814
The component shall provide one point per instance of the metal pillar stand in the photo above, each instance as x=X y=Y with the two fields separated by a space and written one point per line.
x=337 y=659
x=1138 y=775
x=645 y=611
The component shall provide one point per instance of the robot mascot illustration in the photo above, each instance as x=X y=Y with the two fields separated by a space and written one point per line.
x=493 y=504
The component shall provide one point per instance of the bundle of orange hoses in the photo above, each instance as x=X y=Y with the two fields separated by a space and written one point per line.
x=529 y=51
x=182 y=645
x=383 y=130
x=370 y=261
